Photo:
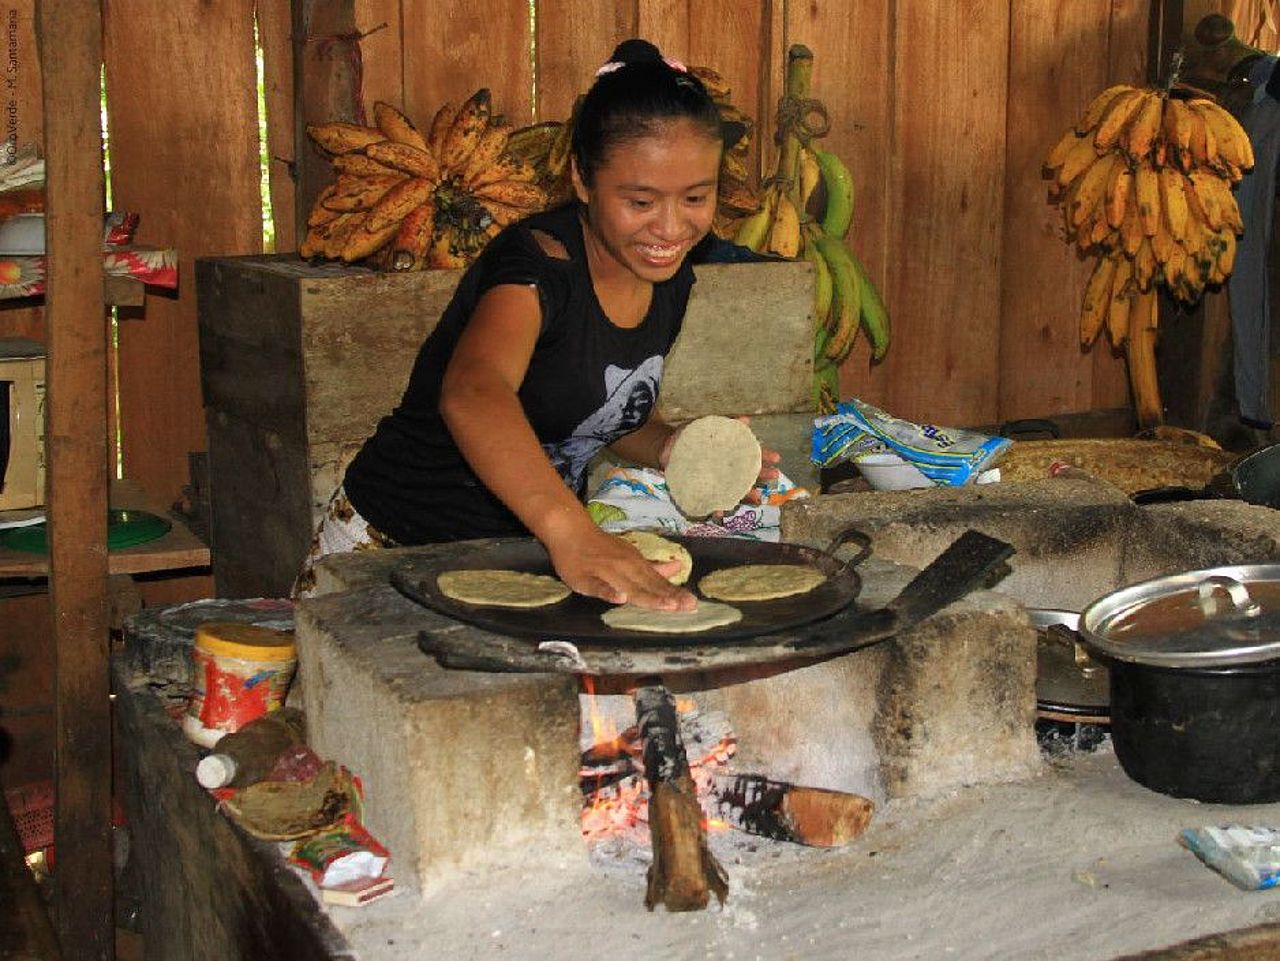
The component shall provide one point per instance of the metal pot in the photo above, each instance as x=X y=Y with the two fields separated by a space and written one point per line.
x=1195 y=681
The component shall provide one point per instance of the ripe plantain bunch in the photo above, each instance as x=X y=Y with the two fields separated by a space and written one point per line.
x=410 y=200
x=1144 y=180
x=806 y=211
x=545 y=147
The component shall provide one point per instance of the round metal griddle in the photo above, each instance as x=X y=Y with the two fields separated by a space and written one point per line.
x=577 y=618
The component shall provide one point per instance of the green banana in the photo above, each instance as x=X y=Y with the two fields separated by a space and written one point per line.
x=822 y=286
x=826 y=388
x=874 y=315
x=846 y=301
x=754 y=230
x=838 y=183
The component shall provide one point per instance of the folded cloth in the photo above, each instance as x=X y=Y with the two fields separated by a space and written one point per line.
x=636 y=498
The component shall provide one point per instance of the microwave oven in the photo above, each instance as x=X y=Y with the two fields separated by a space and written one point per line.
x=22 y=420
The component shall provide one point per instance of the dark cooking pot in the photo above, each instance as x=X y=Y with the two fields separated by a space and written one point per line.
x=1195 y=681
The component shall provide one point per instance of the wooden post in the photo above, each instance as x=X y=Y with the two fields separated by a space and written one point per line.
x=76 y=443
x=326 y=85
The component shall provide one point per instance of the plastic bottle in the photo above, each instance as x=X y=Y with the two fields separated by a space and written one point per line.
x=248 y=755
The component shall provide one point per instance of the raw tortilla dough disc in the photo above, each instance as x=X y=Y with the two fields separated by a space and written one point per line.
x=714 y=462
x=497 y=588
x=708 y=614
x=760 y=582
x=659 y=549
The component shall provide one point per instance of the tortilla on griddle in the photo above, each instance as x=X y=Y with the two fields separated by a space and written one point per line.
x=660 y=550
x=502 y=588
x=708 y=614
x=760 y=582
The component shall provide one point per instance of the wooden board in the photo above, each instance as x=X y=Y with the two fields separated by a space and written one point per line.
x=451 y=50
x=274 y=27
x=187 y=162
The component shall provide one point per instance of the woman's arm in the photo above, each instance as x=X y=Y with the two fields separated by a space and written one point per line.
x=480 y=406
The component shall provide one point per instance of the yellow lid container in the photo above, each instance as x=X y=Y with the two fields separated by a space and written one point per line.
x=248 y=642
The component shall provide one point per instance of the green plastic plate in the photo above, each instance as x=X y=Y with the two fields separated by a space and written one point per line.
x=124 y=529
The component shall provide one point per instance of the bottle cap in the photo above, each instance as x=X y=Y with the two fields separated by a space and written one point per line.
x=215 y=771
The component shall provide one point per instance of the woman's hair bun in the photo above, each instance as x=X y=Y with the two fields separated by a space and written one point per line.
x=636 y=51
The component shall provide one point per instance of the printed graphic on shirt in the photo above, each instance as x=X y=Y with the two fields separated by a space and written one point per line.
x=630 y=395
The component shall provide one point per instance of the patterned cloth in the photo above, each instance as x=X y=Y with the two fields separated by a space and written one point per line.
x=341 y=531
x=636 y=498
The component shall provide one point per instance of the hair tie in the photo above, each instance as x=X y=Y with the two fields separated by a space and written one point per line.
x=610 y=67
x=675 y=65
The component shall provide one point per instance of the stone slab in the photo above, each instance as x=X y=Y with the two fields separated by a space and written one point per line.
x=1055 y=525
x=461 y=770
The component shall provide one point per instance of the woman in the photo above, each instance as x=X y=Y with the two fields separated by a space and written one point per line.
x=553 y=347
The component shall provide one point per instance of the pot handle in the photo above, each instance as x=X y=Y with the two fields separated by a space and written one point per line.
x=1242 y=601
x=845 y=536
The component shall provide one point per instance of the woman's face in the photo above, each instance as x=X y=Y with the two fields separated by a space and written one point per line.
x=653 y=199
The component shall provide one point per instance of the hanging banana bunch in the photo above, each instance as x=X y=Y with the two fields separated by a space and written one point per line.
x=406 y=200
x=806 y=210
x=1144 y=181
x=545 y=148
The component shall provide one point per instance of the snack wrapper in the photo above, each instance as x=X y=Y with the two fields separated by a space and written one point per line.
x=1248 y=857
x=340 y=855
x=946 y=455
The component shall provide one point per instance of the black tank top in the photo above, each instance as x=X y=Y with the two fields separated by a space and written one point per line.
x=589 y=382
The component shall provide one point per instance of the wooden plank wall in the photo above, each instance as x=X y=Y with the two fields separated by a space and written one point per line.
x=943 y=111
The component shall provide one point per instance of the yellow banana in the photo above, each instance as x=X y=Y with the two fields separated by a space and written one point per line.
x=339 y=231
x=364 y=241
x=1178 y=125
x=340 y=138
x=1118 y=306
x=1097 y=296
x=397 y=202
x=488 y=150
x=465 y=132
x=1116 y=117
x=810 y=176
x=1131 y=234
x=439 y=130
x=1143 y=130
x=359 y=193
x=1098 y=106
x=1162 y=243
x=1141 y=356
x=1058 y=152
x=1227 y=259
x=513 y=193
x=846 y=298
x=1145 y=266
x=1146 y=185
x=1087 y=196
x=1204 y=143
x=753 y=231
x=413 y=238
x=1118 y=191
x=396 y=126
x=361 y=165
x=1079 y=158
x=532 y=144
x=1232 y=140
x=784 y=233
x=406 y=159
x=1174 y=201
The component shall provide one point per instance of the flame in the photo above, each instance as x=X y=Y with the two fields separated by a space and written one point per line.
x=621 y=809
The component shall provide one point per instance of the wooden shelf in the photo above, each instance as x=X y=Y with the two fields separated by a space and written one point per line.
x=176 y=550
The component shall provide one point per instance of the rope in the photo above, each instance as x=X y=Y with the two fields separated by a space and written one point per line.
x=794 y=114
x=350 y=42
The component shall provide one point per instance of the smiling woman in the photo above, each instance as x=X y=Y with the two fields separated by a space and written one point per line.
x=553 y=348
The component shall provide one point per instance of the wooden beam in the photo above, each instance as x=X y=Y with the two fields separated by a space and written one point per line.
x=71 y=55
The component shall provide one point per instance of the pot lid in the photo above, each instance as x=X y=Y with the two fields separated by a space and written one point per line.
x=1068 y=680
x=1219 y=617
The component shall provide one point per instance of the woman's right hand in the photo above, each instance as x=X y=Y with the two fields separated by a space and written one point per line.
x=600 y=565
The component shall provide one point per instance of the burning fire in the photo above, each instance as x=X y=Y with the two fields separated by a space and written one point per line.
x=615 y=793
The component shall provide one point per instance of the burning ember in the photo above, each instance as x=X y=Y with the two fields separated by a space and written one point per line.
x=615 y=793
